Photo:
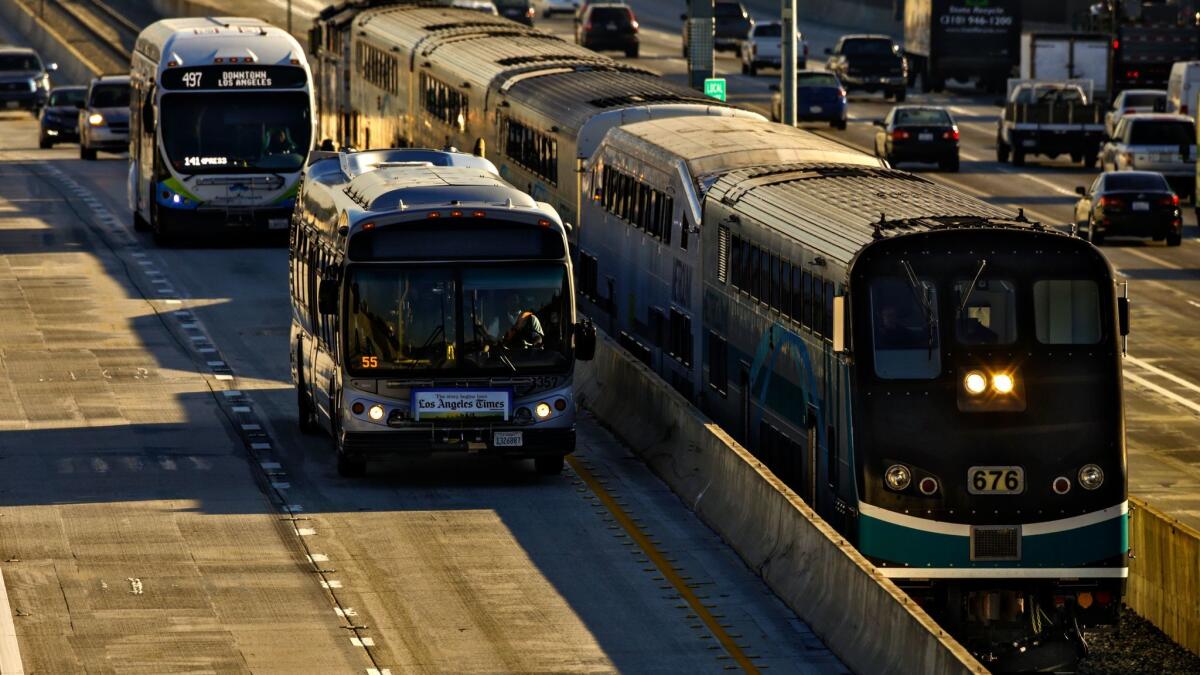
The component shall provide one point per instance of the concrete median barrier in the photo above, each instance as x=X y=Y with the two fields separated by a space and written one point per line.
x=863 y=617
x=1164 y=575
x=73 y=67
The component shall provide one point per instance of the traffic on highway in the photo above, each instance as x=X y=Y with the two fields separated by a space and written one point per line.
x=317 y=313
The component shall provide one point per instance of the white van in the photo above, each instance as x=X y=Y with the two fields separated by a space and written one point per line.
x=1182 y=87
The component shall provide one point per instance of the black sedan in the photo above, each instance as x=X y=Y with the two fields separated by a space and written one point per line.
x=1129 y=204
x=58 y=122
x=913 y=133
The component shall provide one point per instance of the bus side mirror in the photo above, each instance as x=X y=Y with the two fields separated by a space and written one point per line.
x=585 y=341
x=327 y=296
x=839 y=324
x=1123 y=315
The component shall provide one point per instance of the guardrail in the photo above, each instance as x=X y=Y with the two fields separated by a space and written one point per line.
x=863 y=617
x=1164 y=575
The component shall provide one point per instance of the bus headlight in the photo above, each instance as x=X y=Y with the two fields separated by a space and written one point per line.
x=1091 y=476
x=1002 y=383
x=96 y=120
x=898 y=477
x=375 y=412
x=542 y=410
x=975 y=383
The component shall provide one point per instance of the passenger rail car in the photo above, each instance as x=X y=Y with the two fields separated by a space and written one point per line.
x=432 y=310
x=410 y=75
x=939 y=378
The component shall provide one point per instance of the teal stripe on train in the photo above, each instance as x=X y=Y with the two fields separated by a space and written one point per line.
x=882 y=540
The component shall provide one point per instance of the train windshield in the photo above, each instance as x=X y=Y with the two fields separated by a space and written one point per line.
x=492 y=319
x=986 y=312
x=238 y=132
x=905 y=328
x=1067 y=311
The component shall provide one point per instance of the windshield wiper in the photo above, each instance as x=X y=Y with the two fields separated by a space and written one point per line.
x=971 y=289
x=919 y=292
x=504 y=359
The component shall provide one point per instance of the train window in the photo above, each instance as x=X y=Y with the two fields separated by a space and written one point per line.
x=683 y=234
x=785 y=290
x=827 y=330
x=1067 y=312
x=658 y=326
x=775 y=282
x=443 y=101
x=668 y=215
x=680 y=338
x=533 y=150
x=988 y=313
x=797 y=294
x=718 y=363
x=904 y=329
x=735 y=261
x=806 y=287
x=588 y=275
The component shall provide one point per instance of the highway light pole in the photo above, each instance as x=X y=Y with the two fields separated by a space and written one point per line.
x=700 y=42
x=787 y=74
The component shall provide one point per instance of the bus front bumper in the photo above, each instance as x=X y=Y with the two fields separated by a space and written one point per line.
x=208 y=219
x=480 y=440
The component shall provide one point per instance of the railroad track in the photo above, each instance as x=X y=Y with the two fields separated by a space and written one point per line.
x=99 y=32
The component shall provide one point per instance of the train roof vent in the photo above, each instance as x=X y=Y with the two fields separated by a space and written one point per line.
x=783 y=175
x=650 y=97
x=543 y=58
x=455 y=25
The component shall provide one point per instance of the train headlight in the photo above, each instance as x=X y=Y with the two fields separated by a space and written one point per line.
x=898 y=477
x=375 y=412
x=975 y=383
x=96 y=120
x=1091 y=477
x=1002 y=383
x=542 y=410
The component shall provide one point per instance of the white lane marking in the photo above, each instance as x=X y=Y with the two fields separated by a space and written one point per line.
x=173 y=301
x=222 y=376
x=317 y=557
x=362 y=642
x=1187 y=403
x=231 y=393
x=283 y=485
x=240 y=408
x=378 y=671
x=214 y=364
x=305 y=531
x=262 y=446
x=270 y=465
x=970 y=156
x=1162 y=373
x=135 y=586
x=10 y=651
x=344 y=612
x=167 y=464
x=99 y=465
x=293 y=508
x=251 y=427
x=1193 y=303
x=332 y=583
x=1152 y=258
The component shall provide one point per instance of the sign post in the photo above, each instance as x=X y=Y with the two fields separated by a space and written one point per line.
x=787 y=87
x=715 y=87
x=699 y=48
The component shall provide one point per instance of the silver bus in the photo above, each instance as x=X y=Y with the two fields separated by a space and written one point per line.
x=432 y=309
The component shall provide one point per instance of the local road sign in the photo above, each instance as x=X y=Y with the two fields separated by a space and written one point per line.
x=715 y=87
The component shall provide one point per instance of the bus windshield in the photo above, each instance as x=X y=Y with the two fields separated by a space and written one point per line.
x=492 y=319
x=240 y=132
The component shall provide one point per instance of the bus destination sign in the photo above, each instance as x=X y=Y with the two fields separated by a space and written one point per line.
x=234 y=77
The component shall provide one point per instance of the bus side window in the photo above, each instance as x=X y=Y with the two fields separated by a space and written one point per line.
x=148 y=111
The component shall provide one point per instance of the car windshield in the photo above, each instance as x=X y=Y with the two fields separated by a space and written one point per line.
x=1135 y=182
x=1161 y=132
x=923 y=116
x=1049 y=94
x=67 y=97
x=617 y=15
x=816 y=80
x=768 y=30
x=19 y=62
x=1144 y=100
x=484 y=318
x=512 y=4
x=236 y=132
x=110 y=96
x=867 y=48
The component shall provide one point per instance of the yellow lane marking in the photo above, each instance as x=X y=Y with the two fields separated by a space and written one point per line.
x=664 y=566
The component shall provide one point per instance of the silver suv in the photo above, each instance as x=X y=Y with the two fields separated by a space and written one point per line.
x=104 y=117
x=24 y=80
x=1155 y=142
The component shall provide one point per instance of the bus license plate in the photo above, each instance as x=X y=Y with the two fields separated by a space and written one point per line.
x=277 y=223
x=508 y=439
x=996 y=480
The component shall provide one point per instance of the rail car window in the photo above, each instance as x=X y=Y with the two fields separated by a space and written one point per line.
x=680 y=338
x=806 y=287
x=589 y=274
x=904 y=334
x=637 y=203
x=1067 y=312
x=377 y=67
x=989 y=312
x=530 y=148
x=827 y=326
x=718 y=363
x=444 y=102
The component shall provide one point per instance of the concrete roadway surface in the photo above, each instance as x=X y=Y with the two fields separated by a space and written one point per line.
x=157 y=515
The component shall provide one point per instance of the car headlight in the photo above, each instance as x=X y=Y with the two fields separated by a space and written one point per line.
x=898 y=477
x=96 y=120
x=1091 y=476
x=32 y=84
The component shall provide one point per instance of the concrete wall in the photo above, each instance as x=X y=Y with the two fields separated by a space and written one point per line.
x=73 y=67
x=863 y=617
x=1164 y=576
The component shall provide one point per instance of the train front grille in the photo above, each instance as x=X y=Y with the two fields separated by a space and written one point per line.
x=996 y=543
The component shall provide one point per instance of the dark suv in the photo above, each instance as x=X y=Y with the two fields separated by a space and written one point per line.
x=731 y=24
x=869 y=63
x=520 y=11
x=24 y=80
x=608 y=26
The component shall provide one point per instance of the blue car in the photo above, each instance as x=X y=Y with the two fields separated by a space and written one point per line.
x=820 y=97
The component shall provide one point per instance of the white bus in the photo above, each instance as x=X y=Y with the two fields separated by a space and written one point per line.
x=221 y=122
x=433 y=309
